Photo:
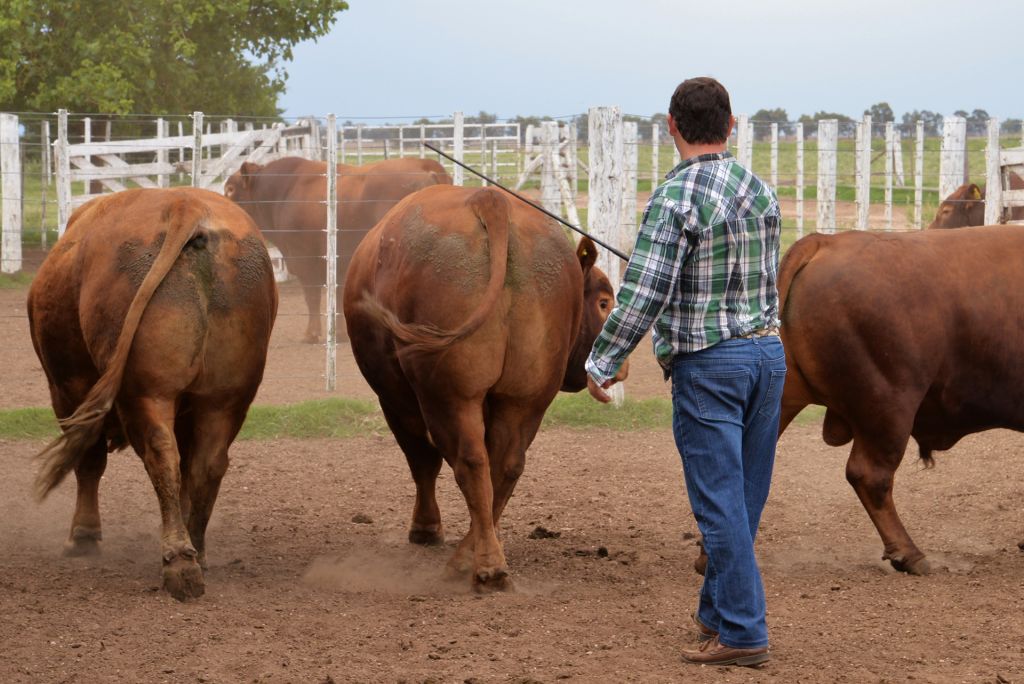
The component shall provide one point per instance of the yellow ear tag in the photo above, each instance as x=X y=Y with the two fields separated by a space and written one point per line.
x=976 y=194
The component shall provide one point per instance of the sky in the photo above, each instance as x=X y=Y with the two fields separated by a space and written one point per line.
x=397 y=59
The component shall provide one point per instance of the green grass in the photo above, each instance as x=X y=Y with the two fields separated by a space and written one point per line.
x=14 y=281
x=28 y=423
x=338 y=418
x=345 y=418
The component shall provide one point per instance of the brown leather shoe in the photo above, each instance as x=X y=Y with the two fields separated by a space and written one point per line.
x=713 y=652
x=704 y=633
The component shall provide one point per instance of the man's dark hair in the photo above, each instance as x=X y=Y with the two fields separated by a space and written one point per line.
x=700 y=107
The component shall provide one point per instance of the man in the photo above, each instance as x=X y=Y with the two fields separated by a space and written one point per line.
x=703 y=274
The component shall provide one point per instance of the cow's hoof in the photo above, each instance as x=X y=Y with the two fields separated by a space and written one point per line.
x=83 y=542
x=919 y=566
x=1020 y=545
x=488 y=581
x=183 y=578
x=427 y=536
x=700 y=563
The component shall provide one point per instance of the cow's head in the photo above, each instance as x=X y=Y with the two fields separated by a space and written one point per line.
x=239 y=187
x=598 y=302
x=964 y=207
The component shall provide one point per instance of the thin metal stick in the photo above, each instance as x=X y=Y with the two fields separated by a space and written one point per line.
x=523 y=199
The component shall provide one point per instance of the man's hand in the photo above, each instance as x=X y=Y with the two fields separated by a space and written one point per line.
x=598 y=391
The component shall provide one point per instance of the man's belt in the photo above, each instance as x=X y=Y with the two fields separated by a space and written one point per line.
x=761 y=332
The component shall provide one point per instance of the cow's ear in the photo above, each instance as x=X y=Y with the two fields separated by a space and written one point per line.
x=586 y=252
x=974 y=192
x=248 y=170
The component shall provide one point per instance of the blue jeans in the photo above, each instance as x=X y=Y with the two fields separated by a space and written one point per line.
x=726 y=403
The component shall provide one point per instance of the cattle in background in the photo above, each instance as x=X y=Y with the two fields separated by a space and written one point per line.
x=287 y=199
x=151 y=318
x=467 y=312
x=898 y=336
x=965 y=206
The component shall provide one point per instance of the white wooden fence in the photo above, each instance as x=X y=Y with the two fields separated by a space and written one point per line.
x=491 y=147
x=116 y=165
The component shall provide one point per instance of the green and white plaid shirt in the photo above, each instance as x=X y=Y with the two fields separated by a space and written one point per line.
x=703 y=269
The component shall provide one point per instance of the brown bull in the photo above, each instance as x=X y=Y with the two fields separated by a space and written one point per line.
x=467 y=312
x=903 y=335
x=151 y=318
x=286 y=199
x=965 y=206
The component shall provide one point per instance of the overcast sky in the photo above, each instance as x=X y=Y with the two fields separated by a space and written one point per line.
x=412 y=58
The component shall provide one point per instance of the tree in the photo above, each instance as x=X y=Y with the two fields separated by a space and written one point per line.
x=1012 y=126
x=811 y=121
x=977 y=122
x=932 y=123
x=881 y=114
x=121 y=56
x=763 y=118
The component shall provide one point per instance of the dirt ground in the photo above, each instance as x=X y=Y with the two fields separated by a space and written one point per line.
x=299 y=592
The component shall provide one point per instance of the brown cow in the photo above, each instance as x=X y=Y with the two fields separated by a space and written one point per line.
x=286 y=199
x=898 y=336
x=467 y=312
x=965 y=206
x=151 y=318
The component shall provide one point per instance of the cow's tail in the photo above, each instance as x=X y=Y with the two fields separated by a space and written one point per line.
x=794 y=261
x=184 y=219
x=492 y=209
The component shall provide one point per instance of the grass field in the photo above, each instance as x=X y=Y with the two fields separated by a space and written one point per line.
x=343 y=418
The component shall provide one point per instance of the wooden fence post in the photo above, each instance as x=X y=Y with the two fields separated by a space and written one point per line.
x=901 y=179
x=799 y=181
x=47 y=176
x=655 y=145
x=890 y=159
x=863 y=166
x=401 y=142
x=573 y=170
x=993 y=176
x=775 y=155
x=828 y=134
x=197 y=149
x=332 y=252
x=163 y=180
x=458 y=146
x=742 y=143
x=549 y=196
x=630 y=148
x=918 y=172
x=423 y=139
x=10 y=194
x=359 y=144
x=63 y=172
x=953 y=154
x=604 y=212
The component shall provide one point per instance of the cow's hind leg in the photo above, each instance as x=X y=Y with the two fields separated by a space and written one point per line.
x=459 y=431
x=214 y=428
x=424 y=461
x=871 y=470
x=86 y=531
x=150 y=430
x=314 y=331
x=511 y=427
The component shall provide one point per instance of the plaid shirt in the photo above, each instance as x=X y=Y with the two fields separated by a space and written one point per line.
x=703 y=269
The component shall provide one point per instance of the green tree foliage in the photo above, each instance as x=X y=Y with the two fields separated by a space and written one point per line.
x=881 y=113
x=932 y=122
x=810 y=121
x=764 y=118
x=174 y=56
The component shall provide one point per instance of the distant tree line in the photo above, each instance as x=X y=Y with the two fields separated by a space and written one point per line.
x=881 y=113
